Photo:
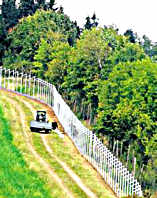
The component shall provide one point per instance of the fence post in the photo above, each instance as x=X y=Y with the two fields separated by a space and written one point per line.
x=21 y=82
x=49 y=93
x=34 y=86
x=17 y=80
x=13 y=81
x=1 y=76
x=9 y=79
x=26 y=84
x=38 y=89
x=29 y=84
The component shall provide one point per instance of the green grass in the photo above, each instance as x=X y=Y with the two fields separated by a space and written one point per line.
x=38 y=183
x=40 y=148
x=64 y=149
x=16 y=179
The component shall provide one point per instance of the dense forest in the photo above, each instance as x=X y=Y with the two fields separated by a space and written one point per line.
x=109 y=80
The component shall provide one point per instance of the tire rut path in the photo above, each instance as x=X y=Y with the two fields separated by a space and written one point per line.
x=47 y=167
x=70 y=172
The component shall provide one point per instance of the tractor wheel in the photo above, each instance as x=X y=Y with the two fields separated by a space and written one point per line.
x=32 y=129
x=47 y=131
x=54 y=125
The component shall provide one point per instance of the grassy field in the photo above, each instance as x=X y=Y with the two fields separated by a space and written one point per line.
x=16 y=178
x=22 y=175
x=65 y=150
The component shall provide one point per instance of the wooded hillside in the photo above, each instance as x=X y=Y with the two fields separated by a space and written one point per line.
x=109 y=80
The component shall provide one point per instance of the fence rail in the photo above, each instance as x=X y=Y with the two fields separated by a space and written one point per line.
x=111 y=169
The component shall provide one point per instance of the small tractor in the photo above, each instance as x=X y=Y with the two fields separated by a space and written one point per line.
x=41 y=123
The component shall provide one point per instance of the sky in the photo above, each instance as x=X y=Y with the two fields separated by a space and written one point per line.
x=138 y=15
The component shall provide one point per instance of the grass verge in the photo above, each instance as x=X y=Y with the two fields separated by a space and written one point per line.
x=20 y=175
x=16 y=179
x=65 y=150
x=40 y=148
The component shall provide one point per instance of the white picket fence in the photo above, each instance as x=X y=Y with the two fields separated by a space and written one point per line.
x=111 y=169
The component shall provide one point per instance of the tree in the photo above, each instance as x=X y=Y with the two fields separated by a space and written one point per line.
x=61 y=10
x=131 y=35
x=57 y=66
x=95 y=20
x=51 y=4
x=26 y=37
x=91 y=22
x=88 y=24
x=41 y=4
x=26 y=8
x=78 y=29
x=127 y=112
x=154 y=52
x=9 y=13
x=87 y=60
x=147 y=45
x=3 y=34
x=47 y=54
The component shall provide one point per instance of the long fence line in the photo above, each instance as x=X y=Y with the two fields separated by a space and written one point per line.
x=111 y=169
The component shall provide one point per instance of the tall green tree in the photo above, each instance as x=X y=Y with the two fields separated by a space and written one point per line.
x=147 y=45
x=88 y=24
x=41 y=3
x=26 y=8
x=95 y=20
x=9 y=13
x=91 y=22
x=154 y=52
x=51 y=4
x=3 y=34
x=127 y=112
x=87 y=60
x=131 y=35
x=26 y=36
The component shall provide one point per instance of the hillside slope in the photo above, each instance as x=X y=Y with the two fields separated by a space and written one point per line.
x=41 y=165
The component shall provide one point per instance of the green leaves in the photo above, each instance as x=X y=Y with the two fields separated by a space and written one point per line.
x=26 y=37
x=128 y=109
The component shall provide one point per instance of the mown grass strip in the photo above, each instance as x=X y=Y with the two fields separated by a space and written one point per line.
x=16 y=179
x=41 y=186
x=64 y=149
x=40 y=148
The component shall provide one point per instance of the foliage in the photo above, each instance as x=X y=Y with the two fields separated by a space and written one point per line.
x=91 y=22
x=26 y=8
x=9 y=13
x=48 y=55
x=150 y=48
x=3 y=35
x=127 y=112
x=106 y=78
x=57 y=67
x=86 y=60
x=92 y=59
x=131 y=35
x=26 y=37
